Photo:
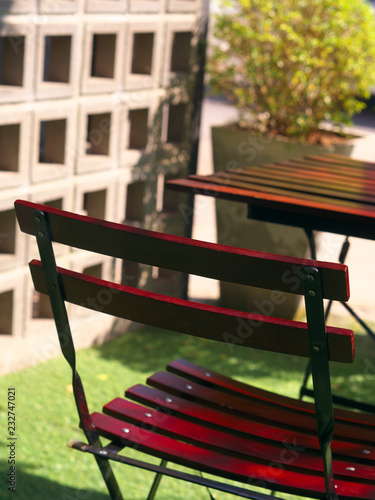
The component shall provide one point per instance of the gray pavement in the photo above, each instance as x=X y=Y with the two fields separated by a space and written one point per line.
x=361 y=257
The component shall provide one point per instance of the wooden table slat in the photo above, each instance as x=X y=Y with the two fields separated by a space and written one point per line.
x=343 y=160
x=256 y=178
x=328 y=193
x=305 y=178
x=344 y=172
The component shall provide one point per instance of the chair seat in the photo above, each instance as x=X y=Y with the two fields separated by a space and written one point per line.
x=198 y=417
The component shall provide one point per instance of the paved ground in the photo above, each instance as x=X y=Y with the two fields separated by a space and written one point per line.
x=361 y=258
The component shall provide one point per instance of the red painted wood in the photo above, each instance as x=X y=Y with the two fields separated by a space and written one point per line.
x=226 y=443
x=302 y=203
x=220 y=262
x=230 y=403
x=223 y=428
x=231 y=467
x=336 y=196
x=201 y=320
x=245 y=427
x=217 y=381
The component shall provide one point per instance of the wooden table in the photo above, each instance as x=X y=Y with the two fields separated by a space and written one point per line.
x=329 y=193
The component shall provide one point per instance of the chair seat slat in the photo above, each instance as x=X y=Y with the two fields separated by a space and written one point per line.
x=232 y=467
x=233 y=404
x=225 y=442
x=218 y=381
x=237 y=425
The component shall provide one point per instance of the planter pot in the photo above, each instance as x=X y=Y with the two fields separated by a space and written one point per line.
x=238 y=148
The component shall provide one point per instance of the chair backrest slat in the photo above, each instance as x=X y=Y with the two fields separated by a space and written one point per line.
x=206 y=321
x=219 y=262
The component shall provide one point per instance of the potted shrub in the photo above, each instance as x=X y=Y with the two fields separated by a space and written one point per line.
x=297 y=71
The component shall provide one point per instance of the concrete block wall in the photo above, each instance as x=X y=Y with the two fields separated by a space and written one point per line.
x=95 y=116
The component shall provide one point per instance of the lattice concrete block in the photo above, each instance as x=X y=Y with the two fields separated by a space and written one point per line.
x=59 y=195
x=12 y=286
x=57 y=59
x=137 y=128
x=132 y=195
x=94 y=195
x=100 y=267
x=56 y=7
x=39 y=320
x=175 y=131
x=106 y=6
x=97 y=135
x=146 y=6
x=17 y=40
x=170 y=202
x=12 y=241
x=31 y=342
x=183 y=5
x=14 y=145
x=54 y=147
x=132 y=198
x=143 y=53
x=180 y=38
x=17 y=6
x=102 y=60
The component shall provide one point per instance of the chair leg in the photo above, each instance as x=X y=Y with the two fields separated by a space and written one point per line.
x=109 y=478
x=156 y=482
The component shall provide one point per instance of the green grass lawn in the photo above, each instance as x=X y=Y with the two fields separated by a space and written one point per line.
x=47 y=419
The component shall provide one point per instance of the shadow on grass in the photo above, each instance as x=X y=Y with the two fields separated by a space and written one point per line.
x=33 y=487
x=151 y=349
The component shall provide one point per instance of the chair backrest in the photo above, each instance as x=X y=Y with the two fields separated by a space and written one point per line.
x=247 y=267
x=315 y=280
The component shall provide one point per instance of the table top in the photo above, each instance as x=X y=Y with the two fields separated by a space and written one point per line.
x=330 y=193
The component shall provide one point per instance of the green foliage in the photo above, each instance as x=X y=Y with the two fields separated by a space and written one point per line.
x=294 y=64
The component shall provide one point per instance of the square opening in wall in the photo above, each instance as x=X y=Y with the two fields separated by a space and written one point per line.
x=98 y=134
x=41 y=306
x=9 y=147
x=171 y=200
x=52 y=141
x=8 y=232
x=131 y=273
x=54 y=203
x=143 y=45
x=94 y=203
x=6 y=313
x=176 y=126
x=57 y=55
x=134 y=201
x=138 y=128
x=181 y=47
x=95 y=271
x=103 y=55
x=12 y=52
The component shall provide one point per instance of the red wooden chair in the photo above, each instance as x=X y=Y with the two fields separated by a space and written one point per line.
x=193 y=416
